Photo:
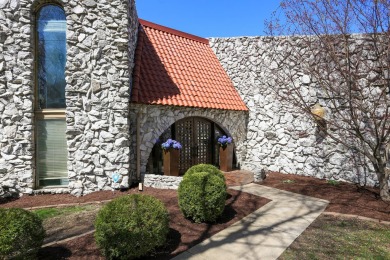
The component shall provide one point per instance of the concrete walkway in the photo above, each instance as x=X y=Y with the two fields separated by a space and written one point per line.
x=265 y=233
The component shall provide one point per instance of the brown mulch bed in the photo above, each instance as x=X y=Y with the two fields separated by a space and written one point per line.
x=233 y=178
x=346 y=198
x=183 y=233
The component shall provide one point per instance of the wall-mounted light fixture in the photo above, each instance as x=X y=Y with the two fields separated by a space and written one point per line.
x=318 y=111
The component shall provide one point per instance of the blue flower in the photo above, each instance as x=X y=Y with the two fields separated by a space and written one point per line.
x=224 y=140
x=177 y=145
x=171 y=144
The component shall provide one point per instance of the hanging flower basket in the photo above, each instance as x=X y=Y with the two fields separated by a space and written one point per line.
x=225 y=153
x=171 y=153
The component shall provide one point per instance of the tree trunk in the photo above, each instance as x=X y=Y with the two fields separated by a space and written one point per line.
x=383 y=177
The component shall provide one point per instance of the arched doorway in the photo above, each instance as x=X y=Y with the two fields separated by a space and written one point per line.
x=198 y=137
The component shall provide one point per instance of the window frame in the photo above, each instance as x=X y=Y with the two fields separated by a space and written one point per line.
x=36 y=59
x=46 y=113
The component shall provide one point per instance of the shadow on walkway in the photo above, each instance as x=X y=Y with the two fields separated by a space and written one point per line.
x=264 y=234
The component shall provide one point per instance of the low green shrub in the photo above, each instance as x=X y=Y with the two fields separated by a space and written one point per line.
x=131 y=226
x=204 y=168
x=333 y=182
x=202 y=196
x=21 y=234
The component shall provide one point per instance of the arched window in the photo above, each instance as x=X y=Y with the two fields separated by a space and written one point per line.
x=51 y=149
x=51 y=50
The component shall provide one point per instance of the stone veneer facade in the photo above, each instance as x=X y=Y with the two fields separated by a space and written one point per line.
x=101 y=40
x=279 y=137
x=101 y=124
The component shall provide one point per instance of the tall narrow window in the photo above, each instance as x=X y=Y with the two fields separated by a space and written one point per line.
x=51 y=150
x=51 y=26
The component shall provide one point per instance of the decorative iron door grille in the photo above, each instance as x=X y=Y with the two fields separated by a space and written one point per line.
x=196 y=136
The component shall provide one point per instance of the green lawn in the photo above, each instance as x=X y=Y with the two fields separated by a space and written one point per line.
x=47 y=213
x=341 y=238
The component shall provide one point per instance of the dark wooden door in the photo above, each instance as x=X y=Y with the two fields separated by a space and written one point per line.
x=196 y=137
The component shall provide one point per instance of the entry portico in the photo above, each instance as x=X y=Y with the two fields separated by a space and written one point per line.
x=181 y=91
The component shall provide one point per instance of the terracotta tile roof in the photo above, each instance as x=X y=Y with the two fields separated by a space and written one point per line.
x=179 y=69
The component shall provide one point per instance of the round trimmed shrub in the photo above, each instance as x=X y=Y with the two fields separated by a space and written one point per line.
x=202 y=196
x=131 y=226
x=204 y=168
x=21 y=234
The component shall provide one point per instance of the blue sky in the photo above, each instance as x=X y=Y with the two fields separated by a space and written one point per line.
x=209 y=18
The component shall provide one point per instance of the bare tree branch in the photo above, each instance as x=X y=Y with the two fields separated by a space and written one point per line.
x=344 y=47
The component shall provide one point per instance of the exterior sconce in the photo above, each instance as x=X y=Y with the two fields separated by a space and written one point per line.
x=318 y=111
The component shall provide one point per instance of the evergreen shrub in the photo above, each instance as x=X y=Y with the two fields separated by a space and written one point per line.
x=131 y=226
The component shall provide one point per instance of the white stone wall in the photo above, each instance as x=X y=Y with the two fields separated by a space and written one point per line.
x=155 y=119
x=101 y=39
x=16 y=97
x=279 y=137
x=162 y=181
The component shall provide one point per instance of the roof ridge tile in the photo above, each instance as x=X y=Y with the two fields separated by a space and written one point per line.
x=167 y=30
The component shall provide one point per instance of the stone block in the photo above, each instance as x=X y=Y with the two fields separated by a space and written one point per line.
x=78 y=10
x=3 y=3
x=121 y=142
x=76 y=192
x=305 y=79
x=106 y=135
